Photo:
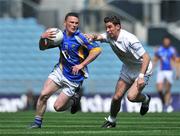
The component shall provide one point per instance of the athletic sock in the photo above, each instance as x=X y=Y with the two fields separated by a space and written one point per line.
x=162 y=97
x=146 y=98
x=111 y=119
x=38 y=120
x=71 y=101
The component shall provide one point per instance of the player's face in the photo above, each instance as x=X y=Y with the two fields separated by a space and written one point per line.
x=166 y=42
x=112 y=30
x=71 y=24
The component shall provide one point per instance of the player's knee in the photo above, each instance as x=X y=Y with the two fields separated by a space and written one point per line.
x=58 y=107
x=44 y=97
x=131 y=97
x=117 y=97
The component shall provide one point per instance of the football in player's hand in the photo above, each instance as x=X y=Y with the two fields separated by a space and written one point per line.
x=50 y=38
x=57 y=35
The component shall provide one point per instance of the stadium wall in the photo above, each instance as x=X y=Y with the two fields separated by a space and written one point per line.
x=89 y=103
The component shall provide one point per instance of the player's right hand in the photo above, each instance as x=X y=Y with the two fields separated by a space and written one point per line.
x=48 y=34
x=140 y=83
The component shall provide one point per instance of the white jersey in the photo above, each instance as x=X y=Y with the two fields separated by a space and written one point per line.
x=127 y=47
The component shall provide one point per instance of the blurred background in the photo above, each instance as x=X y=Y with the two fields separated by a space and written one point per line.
x=24 y=68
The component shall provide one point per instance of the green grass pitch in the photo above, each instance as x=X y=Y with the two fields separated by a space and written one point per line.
x=88 y=124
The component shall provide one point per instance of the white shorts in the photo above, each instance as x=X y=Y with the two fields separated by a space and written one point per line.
x=129 y=75
x=165 y=74
x=66 y=86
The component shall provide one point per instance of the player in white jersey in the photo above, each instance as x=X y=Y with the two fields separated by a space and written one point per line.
x=135 y=71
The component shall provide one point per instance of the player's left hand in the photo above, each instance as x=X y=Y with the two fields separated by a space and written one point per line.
x=76 y=68
x=140 y=83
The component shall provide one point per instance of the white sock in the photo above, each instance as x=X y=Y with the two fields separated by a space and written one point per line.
x=146 y=98
x=111 y=119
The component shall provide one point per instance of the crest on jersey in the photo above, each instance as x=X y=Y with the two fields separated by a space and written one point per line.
x=73 y=45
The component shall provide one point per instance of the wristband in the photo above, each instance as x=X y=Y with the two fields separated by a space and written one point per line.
x=141 y=75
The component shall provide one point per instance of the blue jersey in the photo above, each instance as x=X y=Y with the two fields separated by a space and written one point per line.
x=73 y=50
x=165 y=55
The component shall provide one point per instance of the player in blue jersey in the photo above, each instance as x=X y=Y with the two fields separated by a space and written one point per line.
x=178 y=65
x=76 y=52
x=166 y=54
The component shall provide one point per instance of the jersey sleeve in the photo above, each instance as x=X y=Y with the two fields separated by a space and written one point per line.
x=132 y=39
x=85 y=42
x=137 y=50
x=135 y=47
x=105 y=37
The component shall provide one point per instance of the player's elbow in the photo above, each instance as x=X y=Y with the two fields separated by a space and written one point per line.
x=41 y=48
x=43 y=44
x=96 y=50
x=146 y=57
x=99 y=51
x=59 y=107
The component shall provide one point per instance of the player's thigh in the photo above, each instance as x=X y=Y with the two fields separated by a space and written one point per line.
x=160 y=77
x=168 y=86
x=121 y=88
x=49 y=87
x=160 y=86
x=160 y=80
x=169 y=77
x=62 y=99
x=134 y=91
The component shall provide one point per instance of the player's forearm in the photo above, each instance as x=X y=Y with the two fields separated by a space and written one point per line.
x=45 y=43
x=145 y=63
x=92 y=56
x=96 y=37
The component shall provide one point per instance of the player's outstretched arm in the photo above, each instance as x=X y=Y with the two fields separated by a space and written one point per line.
x=95 y=37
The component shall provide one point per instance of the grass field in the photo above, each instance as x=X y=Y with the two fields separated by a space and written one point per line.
x=88 y=124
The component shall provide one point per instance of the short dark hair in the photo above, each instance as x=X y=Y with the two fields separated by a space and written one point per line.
x=167 y=36
x=113 y=19
x=74 y=14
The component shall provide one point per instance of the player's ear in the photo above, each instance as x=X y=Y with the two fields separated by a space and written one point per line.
x=65 y=24
x=118 y=27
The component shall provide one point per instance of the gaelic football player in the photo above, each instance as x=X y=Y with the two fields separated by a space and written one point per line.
x=136 y=69
x=165 y=54
x=76 y=52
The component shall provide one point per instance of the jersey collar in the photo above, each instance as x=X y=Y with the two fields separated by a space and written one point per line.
x=75 y=33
